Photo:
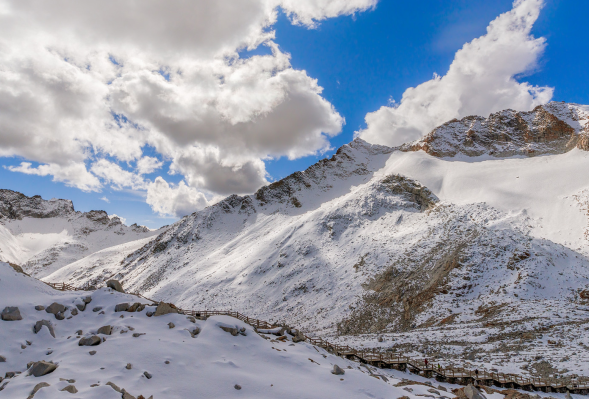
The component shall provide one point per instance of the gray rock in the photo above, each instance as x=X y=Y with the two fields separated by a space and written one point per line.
x=138 y=334
x=92 y=353
x=115 y=285
x=81 y=306
x=568 y=395
x=472 y=393
x=11 y=313
x=127 y=395
x=37 y=387
x=41 y=368
x=40 y=307
x=55 y=308
x=136 y=307
x=122 y=307
x=234 y=331
x=23 y=346
x=337 y=370
x=191 y=319
x=74 y=312
x=49 y=352
x=46 y=323
x=171 y=325
x=194 y=332
x=113 y=386
x=102 y=312
x=238 y=387
x=149 y=314
x=2 y=359
x=106 y=330
x=298 y=338
x=147 y=375
x=90 y=341
x=129 y=366
x=431 y=390
x=79 y=332
x=165 y=308
x=70 y=389
x=87 y=300
x=59 y=316
x=97 y=309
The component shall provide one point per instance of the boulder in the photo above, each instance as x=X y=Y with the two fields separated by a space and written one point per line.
x=90 y=341
x=191 y=319
x=106 y=330
x=472 y=393
x=194 y=332
x=337 y=370
x=87 y=300
x=37 y=387
x=79 y=332
x=136 y=307
x=149 y=314
x=298 y=338
x=127 y=395
x=113 y=386
x=171 y=325
x=40 y=307
x=70 y=389
x=2 y=359
x=92 y=353
x=11 y=313
x=59 y=316
x=55 y=308
x=236 y=386
x=81 y=306
x=121 y=307
x=42 y=368
x=46 y=323
x=115 y=285
x=234 y=331
x=129 y=366
x=74 y=312
x=165 y=308
x=147 y=375
x=97 y=309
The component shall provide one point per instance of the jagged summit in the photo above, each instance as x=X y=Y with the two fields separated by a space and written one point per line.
x=15 y=205
x=554 y=128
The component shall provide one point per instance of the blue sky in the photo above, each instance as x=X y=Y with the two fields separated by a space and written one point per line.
x=362 y=62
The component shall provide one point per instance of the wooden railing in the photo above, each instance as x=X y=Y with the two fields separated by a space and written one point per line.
x=391 y=359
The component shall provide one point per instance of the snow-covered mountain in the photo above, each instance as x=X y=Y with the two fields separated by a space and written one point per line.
x=44 y=235
x=480 y=227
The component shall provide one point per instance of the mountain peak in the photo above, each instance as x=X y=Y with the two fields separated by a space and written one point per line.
x=15 y=205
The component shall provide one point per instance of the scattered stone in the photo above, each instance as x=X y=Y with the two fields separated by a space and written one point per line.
x=115 y=285
x=29 y=343
x=171 y=325
x=149 y=314
x=92 y=353
x=195 y=331
x=2 y=359
x=79 y=332
x=472 y=393
x=74 y=312
x=136 y=307
x=37 y=387
x=165 y=308
x=113 y=386
x=129 y=366
x=238 y=387
x=11 y=313
x=191 y=319
x=90 y=341
x=147 y=375
x=299 y=337
x=167 y=362
x=127 y=395
x=441 y=388
x=94 y=385
x=81 y=306
x=234 y=331
x=41 y=368
x=59 y=316
x=138 y=334
x=40 y=307
x=106 y=330
x=70 y=389
x=431 y=390
x=87 y=300
x=122 y=307
x=55 y=308
x=46 y=323
x=102 y=312
x=23 y=346
x=9 y=374
x=97 y=309
x=49 y=352
x=71 y=381
x=337 y=370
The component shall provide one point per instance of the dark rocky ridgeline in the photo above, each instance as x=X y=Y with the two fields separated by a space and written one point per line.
x=15 y=205
x=554 y=128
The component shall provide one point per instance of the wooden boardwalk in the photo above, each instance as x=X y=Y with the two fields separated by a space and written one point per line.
x=453 y=375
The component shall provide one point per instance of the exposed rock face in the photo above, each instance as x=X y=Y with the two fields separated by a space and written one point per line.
x=554 y=128
x=115 y=285
x=41 y=368
x=46 y=323
x=165 y=308
x=11 y=313
x=14 y=205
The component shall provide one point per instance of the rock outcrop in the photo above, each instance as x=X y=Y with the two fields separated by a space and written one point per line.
x=11 y=313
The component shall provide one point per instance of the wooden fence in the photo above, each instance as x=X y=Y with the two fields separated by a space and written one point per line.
x=398 y=361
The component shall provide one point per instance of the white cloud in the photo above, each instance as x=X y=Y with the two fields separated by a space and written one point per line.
x=72 y=174
x=98 y=81
x=481 y=80
x=170 y=200
x=105 y=199
x=147 y=165
x=114 y=215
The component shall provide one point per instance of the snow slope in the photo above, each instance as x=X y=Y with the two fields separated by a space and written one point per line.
x=208 y=365
x=45 y=235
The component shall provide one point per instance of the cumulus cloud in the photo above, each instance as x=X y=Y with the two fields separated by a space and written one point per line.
x=105 y=199
x=179 y=200
x=96 y=82
x=481 y=80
